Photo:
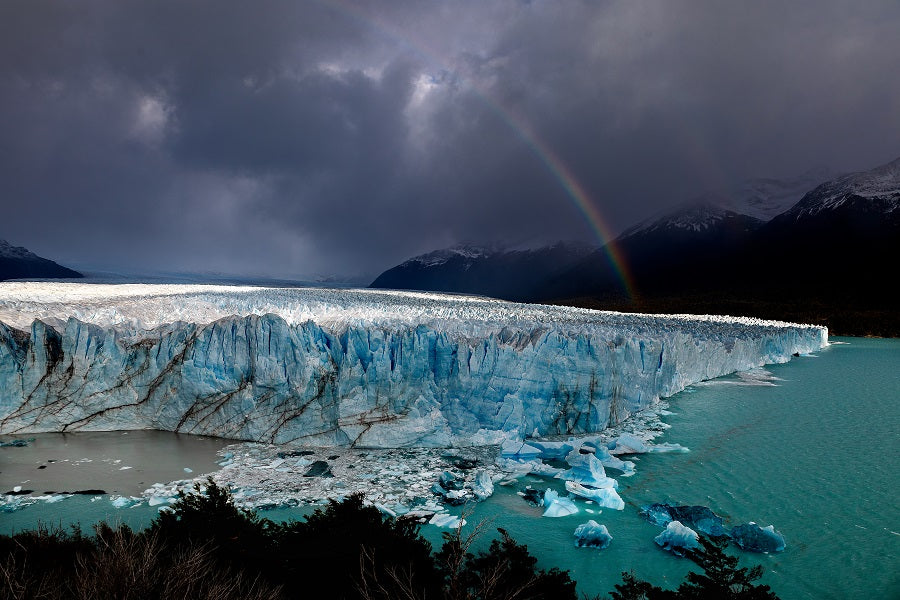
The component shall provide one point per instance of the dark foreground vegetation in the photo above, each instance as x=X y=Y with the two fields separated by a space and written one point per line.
x=208 y=549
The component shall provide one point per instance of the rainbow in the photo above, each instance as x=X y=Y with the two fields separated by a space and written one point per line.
x=550 y=159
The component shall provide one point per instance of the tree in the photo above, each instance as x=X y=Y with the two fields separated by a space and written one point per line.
x=209 y=516
x=633 y=588
x=507 y=571
x=349 y=550
x=721 y=579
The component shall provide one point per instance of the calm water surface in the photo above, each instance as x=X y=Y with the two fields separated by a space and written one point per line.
x=816 y=455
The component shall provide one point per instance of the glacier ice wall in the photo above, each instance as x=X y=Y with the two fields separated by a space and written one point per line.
x=350 y=367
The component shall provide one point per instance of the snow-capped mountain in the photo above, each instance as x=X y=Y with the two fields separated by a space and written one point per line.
x=851 y=227
x=467 y=253
x=875 y=191
x=17 y=262
x=760 y=200
x=699 y=218
x=765 y=198
x=822 y=248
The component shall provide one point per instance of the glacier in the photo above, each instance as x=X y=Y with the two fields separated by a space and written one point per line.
x=361 y=368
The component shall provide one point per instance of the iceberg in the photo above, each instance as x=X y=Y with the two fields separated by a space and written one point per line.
x=605 y=497
x=606 y=459
x=556 y=506
x=678 y=538
x=518 y=468
x=700 y=518
x=362 y=368
x=592 y=535
x=753 y=538
x=629 y=444
x=586 y=470
x=519 y=450
x=124 y=501
x=483 y=486
x=532 y=496
x=551 y=450
x=446 y=521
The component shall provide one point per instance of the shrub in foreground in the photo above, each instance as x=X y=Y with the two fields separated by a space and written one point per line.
x=721 y=579
x=208 y=548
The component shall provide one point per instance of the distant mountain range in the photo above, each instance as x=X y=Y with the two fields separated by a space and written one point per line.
x=18 y=263
x=799 y=248
x=484 y=270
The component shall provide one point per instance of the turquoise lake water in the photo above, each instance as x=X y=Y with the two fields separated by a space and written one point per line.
x=816 y=456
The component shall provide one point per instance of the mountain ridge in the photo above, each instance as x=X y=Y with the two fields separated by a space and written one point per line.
x=828 y=250
x=17 y=262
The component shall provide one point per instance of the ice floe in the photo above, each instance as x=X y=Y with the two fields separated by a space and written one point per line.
x=558 y=506
x=678 y=538
x=753 y=538
x=592 y=535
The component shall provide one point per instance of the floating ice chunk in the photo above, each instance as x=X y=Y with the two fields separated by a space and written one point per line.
x=17 y=488
x=483 y=486
x=587 y=470
x=400 y=509
x=678 y=538
x=10 y=504
x=447 y=521
x=629 y=444
x=187 y=470
x=592 y=535
x=612 y=462
x=518 y=449
x=532 y=496
x=606 y=497
x=53 y=498
x=555 y=506
x=518 y=468
x=551 y=450
x=124 y=468
x=700 y=518
x=668 y=447
x=124 y=501
x=753 y=538
x=449 y=481
x=157 y=500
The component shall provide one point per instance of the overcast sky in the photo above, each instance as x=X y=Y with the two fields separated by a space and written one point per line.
x=292 y=138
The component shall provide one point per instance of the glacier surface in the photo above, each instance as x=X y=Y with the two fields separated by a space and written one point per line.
x=364 y=368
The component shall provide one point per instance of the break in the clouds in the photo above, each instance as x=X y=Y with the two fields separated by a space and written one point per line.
x=293 y=138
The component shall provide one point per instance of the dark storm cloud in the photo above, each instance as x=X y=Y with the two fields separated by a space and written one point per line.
x=295 y=138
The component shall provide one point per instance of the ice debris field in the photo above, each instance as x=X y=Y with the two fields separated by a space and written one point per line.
x=419 y=401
